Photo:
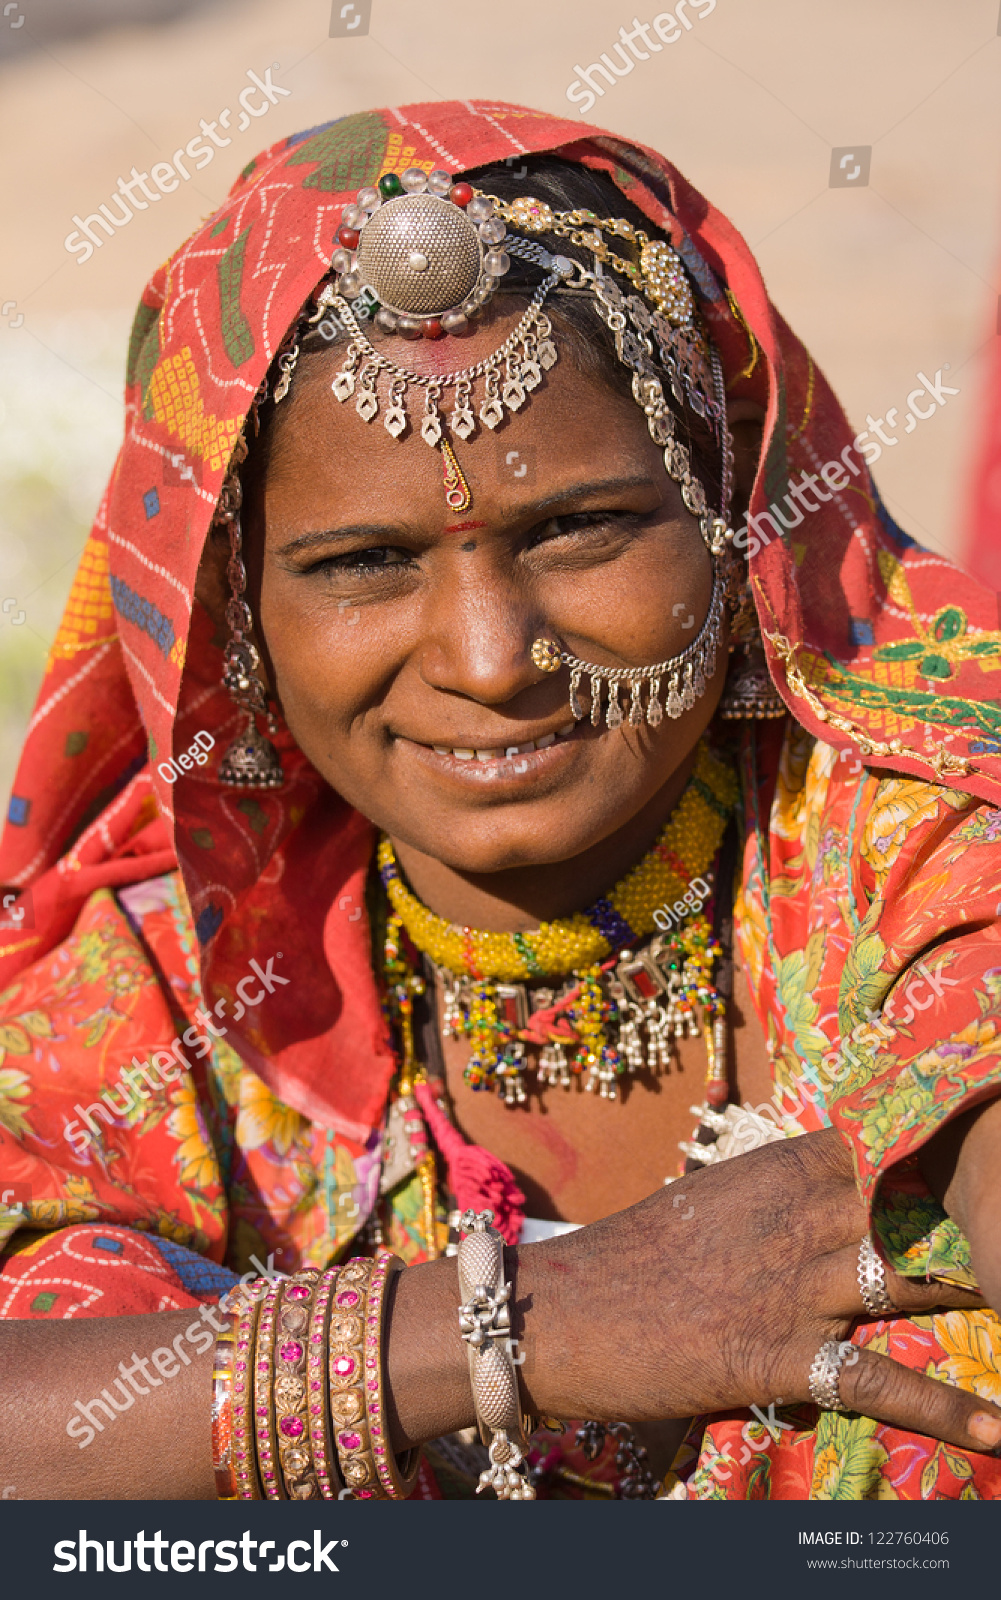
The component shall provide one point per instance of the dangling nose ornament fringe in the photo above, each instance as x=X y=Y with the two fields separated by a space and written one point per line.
x=687 y=675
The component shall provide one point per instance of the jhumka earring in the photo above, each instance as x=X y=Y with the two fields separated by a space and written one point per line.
x=750 y=693
x=251 y=761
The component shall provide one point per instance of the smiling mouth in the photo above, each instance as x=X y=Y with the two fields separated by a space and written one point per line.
x=504 y=752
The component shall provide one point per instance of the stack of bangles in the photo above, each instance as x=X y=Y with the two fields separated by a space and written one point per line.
x=297 y=1389
x=298 y=1410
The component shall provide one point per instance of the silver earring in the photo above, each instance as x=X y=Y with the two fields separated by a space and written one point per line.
x=251 y=761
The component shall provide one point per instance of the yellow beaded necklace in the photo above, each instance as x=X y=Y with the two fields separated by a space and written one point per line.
x=601 y=1013
x=683 y=852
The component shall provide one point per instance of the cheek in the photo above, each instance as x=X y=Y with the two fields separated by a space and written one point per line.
x=645 y=607
x=329 y=658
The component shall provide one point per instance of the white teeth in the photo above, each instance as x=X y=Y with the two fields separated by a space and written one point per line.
x=510 y=751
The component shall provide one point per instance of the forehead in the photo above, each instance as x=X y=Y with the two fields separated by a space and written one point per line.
x=574 y=426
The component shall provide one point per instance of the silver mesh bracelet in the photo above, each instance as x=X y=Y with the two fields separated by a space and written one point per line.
x=872 y=1280
x=825 y=1373
x=485 y=1323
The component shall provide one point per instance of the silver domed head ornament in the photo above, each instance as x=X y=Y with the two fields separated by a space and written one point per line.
x=425 y=248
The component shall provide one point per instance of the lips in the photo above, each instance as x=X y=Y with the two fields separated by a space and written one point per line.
x=504 y=752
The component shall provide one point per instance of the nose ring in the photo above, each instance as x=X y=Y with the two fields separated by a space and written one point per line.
x=547 y=655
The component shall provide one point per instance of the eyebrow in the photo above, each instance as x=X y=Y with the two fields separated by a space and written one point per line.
x=381 y=532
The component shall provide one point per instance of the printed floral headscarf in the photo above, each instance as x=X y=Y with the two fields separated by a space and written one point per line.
x=875 y=643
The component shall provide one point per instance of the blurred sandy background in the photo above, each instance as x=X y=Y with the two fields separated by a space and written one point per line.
x=881 y=281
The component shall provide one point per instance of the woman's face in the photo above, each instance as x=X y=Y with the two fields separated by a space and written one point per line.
x=398 y=635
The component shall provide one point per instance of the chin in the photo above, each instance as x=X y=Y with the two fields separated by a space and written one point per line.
x=507 y=839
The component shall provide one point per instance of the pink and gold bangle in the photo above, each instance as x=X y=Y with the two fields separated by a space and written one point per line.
x=396 y=1477
x=264 y=1415
x=223 y=1464
x=324 y=1454
x=244 y=1305
x=346 y=1381
x=295 y=1453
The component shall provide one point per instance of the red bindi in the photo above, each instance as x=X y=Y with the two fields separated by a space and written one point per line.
x=464 y=527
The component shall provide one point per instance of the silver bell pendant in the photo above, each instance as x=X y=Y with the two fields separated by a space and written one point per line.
x=251 y=761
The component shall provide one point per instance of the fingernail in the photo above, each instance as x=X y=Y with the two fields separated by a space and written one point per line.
x=985 y=1429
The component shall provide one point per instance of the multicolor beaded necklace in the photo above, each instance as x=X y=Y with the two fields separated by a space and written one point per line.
x=592 y=1027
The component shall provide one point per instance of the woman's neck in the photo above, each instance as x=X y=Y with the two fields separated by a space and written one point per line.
x=519 y=898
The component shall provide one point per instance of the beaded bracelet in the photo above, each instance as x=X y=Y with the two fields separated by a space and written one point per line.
x=324 y=1454
x=264 y=1410
x=397 y=1478
x=244 y=1303
x=223 y=1464
x=295 y=1454
x=346 y=1381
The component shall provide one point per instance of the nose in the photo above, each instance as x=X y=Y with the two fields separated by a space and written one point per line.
x=478 y=639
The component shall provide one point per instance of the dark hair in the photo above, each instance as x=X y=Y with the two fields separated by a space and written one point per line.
x=565 y=186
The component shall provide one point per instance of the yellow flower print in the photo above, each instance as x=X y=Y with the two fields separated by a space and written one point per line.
x=789 y=805
x=848 y=1458
x=263 y=1119
x=79 y=1203
x=900 y=805
x=826 y=1474
x=195 y=1157
x=972 y=1342
x=14 y=1087
x=751 y=934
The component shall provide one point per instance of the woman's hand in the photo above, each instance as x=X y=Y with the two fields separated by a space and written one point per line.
x=713 y=1295
x=962 y=1167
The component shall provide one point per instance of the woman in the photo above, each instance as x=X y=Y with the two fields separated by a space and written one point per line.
x=528 y=813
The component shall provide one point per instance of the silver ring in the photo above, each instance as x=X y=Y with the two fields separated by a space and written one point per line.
x=825 y=1374
x=872 y=1280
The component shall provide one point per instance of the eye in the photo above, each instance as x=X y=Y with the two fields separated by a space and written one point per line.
x=584 y=522
x=375 y=559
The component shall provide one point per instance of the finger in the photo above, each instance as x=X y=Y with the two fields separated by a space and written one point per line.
x=881 y=1388
x=918 y=1294
x=837 y=1290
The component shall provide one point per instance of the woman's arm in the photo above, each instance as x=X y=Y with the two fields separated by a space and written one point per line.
x=654 y=1313
x=159 y=1448
x=650 y=1314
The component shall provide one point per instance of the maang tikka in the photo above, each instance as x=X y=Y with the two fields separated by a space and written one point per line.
x=251 y=761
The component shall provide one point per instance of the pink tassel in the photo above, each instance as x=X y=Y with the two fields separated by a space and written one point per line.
x=479 y=1181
